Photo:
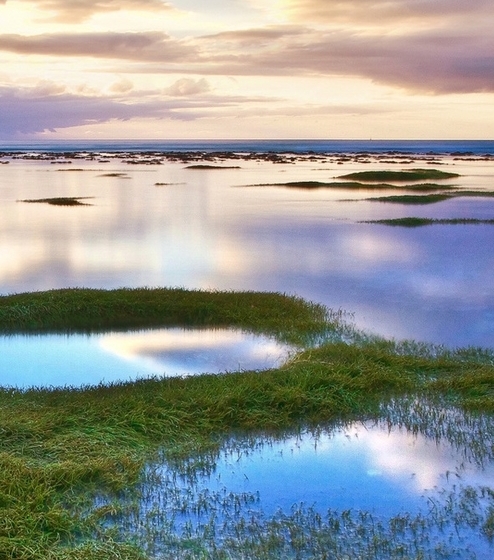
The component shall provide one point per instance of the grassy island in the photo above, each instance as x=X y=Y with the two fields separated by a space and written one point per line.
x=357 y=185
x=414 y=221
x=61 y=448
x=399 y=176
x=60 y=200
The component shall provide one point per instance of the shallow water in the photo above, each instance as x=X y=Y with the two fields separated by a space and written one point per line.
x=78 y=360
x=371 y=472
x=201 y=229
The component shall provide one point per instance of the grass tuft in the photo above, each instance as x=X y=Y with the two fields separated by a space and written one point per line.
x=417 y=222
x=60 y=200
x=400 y=176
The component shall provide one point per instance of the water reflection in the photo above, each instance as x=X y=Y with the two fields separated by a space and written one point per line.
x=365 y=465
x=76 y=360
x=204 y=231
x=349 y=487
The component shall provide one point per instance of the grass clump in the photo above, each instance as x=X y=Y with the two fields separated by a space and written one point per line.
x=430 y=198
x=60 y=448
x=413 y=199
x=60 y=200
x=356 y=185
x=206 y=166
x=418 y=222
x=401 y=176
x=291 y=319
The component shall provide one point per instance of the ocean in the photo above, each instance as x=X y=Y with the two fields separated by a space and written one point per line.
x=474 y=147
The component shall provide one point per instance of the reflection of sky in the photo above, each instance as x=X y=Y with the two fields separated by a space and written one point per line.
x=361 y=467
x=188 y=352
x=57 y=360
x=432 y=283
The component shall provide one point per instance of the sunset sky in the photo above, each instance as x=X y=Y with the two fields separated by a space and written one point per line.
x=219 y=69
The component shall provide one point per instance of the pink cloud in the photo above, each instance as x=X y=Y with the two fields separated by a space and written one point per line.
x=76 y=11
x=151 y=46
x=377 y=12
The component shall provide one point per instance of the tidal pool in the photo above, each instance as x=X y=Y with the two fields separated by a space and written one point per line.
x=364 y=488
x=203 y=229
x=54 y=360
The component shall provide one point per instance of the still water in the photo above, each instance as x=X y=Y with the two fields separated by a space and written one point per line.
x=58 y=360
x=165 y=224
x=362 y=475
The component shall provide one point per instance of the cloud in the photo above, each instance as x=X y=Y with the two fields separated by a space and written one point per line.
x=372 y=12
x=122 y=86
x=76 y=11
x=33 y=110
x=151 y=46
x=187 y=86
x=50 y=107
x=448 y=61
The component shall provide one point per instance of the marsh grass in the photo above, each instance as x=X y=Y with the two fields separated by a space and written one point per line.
x=399 y=176
x=357 y=185
x=61 y=448
x=60 y=200
x=175 y=504
x=412 y=199
x=431 y=198
x=418 y=222
x=290 y=319
x=207 y=166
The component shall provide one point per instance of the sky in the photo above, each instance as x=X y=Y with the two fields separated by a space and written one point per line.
x=224 y=69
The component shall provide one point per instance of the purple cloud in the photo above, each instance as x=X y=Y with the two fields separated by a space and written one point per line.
x=50 y=107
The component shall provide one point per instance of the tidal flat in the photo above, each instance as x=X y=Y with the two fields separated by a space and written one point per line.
x=176 y=467
x=97 y=470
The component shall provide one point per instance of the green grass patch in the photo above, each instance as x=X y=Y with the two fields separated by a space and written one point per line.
x=290 y=319
x=60 y=200
x=400 y=176
x=430 y=198
x=206 y=166
x=412 y=198
x=61 y=447
x=417 y=222
x=356 y=185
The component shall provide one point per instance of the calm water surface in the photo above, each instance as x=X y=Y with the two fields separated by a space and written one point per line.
x=207 y=229
x=385 y=470
x=78 y=360
x=204 y=229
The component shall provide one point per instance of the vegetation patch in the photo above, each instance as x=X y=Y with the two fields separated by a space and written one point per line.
x=206 y=166
x=412 y=198
x=399 y=176
x=61 y=448
x=417 y=222
x=421 y=187
x=60 y=200
x=290 y=319
x=430 y=198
